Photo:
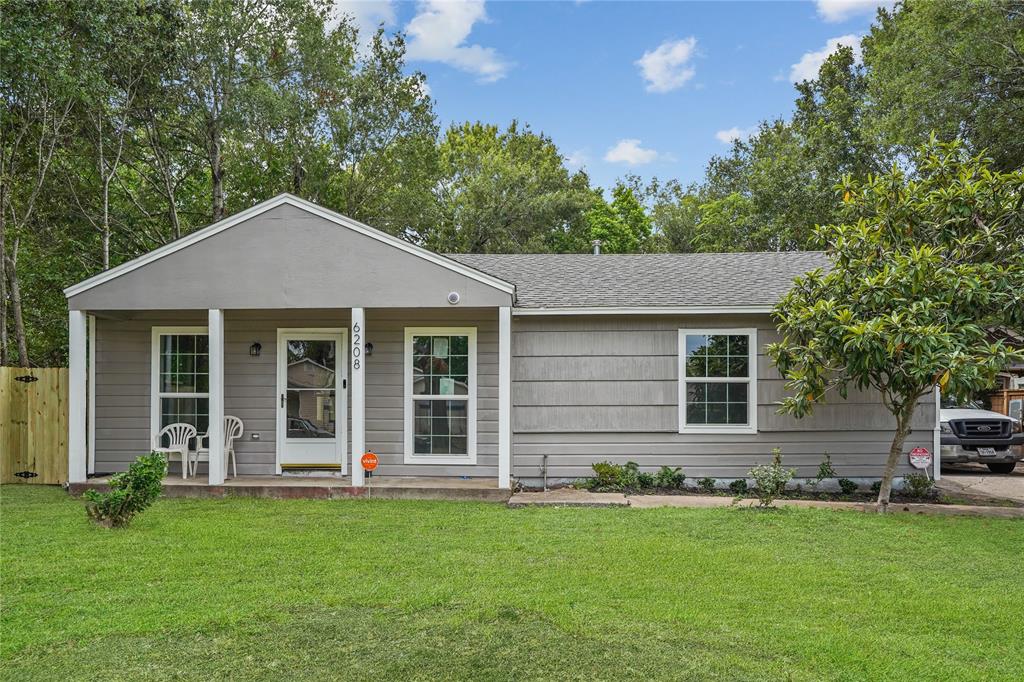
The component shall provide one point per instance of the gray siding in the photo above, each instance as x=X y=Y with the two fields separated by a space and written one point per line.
x=123 y=368
x=593 y=388
x=287 y=258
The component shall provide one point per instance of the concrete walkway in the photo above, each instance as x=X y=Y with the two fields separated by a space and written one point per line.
x=977 y=480
x=568 y=497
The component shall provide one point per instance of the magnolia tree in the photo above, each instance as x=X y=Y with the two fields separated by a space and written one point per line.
x=923 y=266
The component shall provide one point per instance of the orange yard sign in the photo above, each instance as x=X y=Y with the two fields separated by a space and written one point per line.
x=369 y=461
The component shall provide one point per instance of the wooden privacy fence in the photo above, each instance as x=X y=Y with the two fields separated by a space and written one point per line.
x=33 y=425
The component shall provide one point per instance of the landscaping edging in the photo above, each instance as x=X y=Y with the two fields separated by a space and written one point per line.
x=569 y=497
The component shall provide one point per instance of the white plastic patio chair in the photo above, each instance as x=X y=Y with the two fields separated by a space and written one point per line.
x=179 y=435
x=233 y=430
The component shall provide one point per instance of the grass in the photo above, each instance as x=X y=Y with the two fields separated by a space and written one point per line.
x=364 y=589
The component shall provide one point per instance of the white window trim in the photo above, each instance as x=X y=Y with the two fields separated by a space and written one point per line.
x=410 y=456
x=752 y=349
x=154 y=376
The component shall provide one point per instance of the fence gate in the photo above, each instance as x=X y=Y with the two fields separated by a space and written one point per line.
x=33 y=425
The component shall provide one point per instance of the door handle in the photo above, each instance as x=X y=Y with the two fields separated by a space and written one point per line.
x=282 y=400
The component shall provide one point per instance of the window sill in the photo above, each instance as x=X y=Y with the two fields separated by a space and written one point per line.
x=727 y=430
x=469 y=460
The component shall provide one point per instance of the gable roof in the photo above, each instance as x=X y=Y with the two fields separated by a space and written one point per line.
x=281 y=199
x=742 y=282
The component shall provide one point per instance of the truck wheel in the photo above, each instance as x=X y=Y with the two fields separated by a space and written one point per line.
x=1001 y=467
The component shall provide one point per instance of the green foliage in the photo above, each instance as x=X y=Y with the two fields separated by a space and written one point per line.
x=921 y=268
x=623 y=225
x=846 y=486
x=645 y=480
x=506 y=192
x=131 y=492
x=918 y=485
x=825 y=470
x=613 y=477
x=876 y=486
x=738 y=487
x=952 y=68
x=706 y=485
x=669 y=478
x=770 y=479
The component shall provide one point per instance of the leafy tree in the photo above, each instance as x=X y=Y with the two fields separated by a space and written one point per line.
x=633 y=215
x=921 y=267
x=951 y=67
x=506 y=191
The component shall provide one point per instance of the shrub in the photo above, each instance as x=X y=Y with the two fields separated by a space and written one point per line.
x=825 y=470
x=876 y=487
x=131 y=492
x=847 y=486
x=738 y=487
x=669 y=478
x=610 y=476
x=645 y=480
x=706 y=484
x=917 y=485
x=771 y=479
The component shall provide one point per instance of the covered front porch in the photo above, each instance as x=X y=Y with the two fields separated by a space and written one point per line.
x=325 y=338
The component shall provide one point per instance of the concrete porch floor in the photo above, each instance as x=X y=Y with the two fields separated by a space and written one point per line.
x=326 y=487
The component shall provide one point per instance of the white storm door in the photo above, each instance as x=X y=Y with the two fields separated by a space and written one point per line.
x=312 y=405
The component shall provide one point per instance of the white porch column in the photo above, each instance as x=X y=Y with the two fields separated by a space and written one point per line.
x=504 y=397
x=215 y=330
x=937 y=437
x=357 y=379
x=77 y=396
x=91 y=406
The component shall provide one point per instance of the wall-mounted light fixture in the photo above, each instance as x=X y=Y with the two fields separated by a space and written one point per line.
x=255 y=348
x=369 y=348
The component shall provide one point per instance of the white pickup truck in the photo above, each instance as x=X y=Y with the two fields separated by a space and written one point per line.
x=972 y=434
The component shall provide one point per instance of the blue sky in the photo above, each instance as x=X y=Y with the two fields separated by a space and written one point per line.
x=652 y=88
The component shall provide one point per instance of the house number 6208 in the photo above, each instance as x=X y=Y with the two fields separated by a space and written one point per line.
x=357 y=345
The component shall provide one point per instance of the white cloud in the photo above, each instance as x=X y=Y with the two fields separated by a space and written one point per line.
x=367 y=15
x=668 y=67
x=630 y=153
x=577 y=158
x=807 y=67
x=728 y=135
x=439 y=30
x=834 y=11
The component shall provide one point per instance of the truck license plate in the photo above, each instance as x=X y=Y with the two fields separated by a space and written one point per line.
x=987 y=452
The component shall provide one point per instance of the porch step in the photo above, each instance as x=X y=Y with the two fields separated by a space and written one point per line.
x=325 y=488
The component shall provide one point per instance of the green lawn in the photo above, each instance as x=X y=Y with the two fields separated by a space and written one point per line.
x=265 y=589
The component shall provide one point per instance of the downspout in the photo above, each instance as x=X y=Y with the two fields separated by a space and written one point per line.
x=936 y=438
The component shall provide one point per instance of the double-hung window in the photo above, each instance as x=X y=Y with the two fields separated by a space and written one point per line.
x=717 y=381
x=440 y=395
x=180 y=378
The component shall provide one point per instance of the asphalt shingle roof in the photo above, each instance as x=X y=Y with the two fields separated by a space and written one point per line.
x=646 y=280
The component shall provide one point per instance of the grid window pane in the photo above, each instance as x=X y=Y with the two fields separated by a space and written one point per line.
x=184 y=365
x=717 y=355
x=440 y=365
x=440 y=427
x=717 y=403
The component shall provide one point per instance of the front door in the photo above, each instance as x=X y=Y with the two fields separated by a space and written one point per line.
x=311 y=402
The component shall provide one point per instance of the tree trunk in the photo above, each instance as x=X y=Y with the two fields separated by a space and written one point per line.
x=3 y=281
x=19 y=320
x=216 y=175
x=106 y=222
x=903 y=420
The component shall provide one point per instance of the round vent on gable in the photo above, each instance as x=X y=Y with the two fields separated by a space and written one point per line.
x=454 y=298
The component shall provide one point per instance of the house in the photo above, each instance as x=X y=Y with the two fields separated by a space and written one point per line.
x=329 y=339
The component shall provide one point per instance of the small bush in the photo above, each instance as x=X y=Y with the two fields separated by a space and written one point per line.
x=645 y=480
x=847 y=486
x=668 y=478
x=825 y=470
x=876 y=487
x=131 y=492
x=706 y=484
x=771 y=479
x=608 y=476
x=738 y=487
x=917 y=485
